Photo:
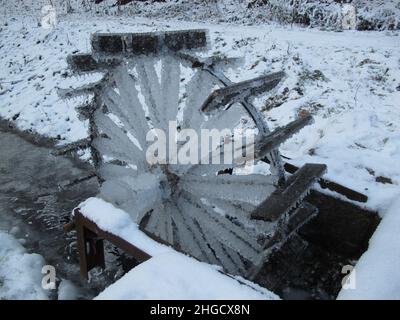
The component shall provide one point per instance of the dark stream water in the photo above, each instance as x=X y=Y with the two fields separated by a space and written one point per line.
x=36 y=200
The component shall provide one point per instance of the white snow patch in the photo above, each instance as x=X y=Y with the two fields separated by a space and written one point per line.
x=174 y=276
x=20 y=272
x=377 y=274
x=68 y=291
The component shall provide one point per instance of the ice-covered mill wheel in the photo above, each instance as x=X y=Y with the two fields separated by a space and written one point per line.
x=151 y=79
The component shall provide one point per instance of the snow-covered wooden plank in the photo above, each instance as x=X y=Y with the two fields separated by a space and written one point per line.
x=291 y=194
x=241 y=91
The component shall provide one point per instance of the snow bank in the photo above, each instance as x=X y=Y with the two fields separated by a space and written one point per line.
x=178 y=277
x=168 y=274
x=20 y=272
x=377 y=272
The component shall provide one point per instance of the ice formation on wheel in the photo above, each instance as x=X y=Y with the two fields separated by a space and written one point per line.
x=206 y=210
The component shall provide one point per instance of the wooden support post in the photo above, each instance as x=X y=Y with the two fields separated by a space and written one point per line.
x=90 y=247
x=90 y=239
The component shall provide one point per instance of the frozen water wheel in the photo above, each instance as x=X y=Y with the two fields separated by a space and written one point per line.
x=150 y=81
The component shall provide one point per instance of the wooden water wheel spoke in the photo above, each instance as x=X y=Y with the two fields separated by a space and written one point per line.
x=107 y=147
x=222 y=220
x=169 y=224
x=109 y=171
x=156 y=222
x=230 y=152
x=115 y=107
x=229 y=119
x=220 y=252
x=240 y=264
x=142 y=192
x=133 y=110
x=223 y=229
x=190 y=238
x=150 y=89
x=239 y=213
x=111 y=98
x=115 y=137
x=229 y=187
x=170 y=85
x=200 y=85
x=204 y=242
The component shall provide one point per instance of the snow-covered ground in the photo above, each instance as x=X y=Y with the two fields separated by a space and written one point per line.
x=174 y=276
x=376 y=275
x=20 y=272
x=349 y=81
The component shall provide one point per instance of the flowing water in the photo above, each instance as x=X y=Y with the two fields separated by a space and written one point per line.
x=36 y=200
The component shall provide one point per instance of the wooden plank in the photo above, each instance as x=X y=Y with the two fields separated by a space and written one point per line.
x=294 y=190
x=333 y=186
x=83 y=63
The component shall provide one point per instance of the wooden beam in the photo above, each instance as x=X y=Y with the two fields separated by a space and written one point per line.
x=90 y=244
x=241 y=91
x=293 y=192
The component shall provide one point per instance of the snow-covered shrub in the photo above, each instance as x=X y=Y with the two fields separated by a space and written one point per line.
x=378 y=15
x=327 y=14
x=349 y=17
x=334 y=14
